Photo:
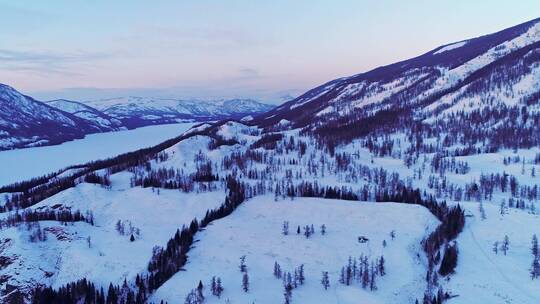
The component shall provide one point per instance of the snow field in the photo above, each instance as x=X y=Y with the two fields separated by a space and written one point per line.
x=255 y=230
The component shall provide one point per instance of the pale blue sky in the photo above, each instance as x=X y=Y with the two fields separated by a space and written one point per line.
x=264 y=49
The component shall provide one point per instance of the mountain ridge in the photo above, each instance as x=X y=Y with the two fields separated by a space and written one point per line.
x=433 y=66
x=27 y=122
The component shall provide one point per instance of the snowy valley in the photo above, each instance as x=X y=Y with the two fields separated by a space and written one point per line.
x=415 y=182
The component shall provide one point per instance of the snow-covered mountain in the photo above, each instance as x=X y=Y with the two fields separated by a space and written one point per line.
x=26 y=122
x=138 y=111
x=496 y=70
x=412 y=183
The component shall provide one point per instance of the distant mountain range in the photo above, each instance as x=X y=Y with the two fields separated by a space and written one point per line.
x=139 y=111
x=27 y=122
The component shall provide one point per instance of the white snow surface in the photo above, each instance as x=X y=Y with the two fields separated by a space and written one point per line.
x=254 y=230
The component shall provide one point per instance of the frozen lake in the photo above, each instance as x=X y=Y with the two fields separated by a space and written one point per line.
x=23 y=164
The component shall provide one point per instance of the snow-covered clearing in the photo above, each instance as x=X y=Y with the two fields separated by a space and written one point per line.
x=488 y=277
x=255 y=230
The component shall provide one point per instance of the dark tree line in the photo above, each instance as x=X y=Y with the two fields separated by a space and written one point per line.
x=64 y=216
x=94 y=178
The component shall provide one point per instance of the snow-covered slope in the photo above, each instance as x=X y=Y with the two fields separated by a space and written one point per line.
x=488 y=71
x=255 y=231
x=26 y=122
x=137 y=111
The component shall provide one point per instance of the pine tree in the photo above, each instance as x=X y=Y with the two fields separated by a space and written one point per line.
x=372 y=285
x=245 y=282
x=496 y=247
x=285 y=229
x=277 y=270
x=219 y=287
x=323 y=229
x=382 y=270
x=365 y=277
x=325 y=281
x=348 y=272
x=505 y=245
x=307 y=231
x=192 y=298
x=243 y=267
x=112 y=296
x=200 y=288
x=213 y=286
x=535 y=268
x=301 y=277
x=482 y=211
x=534 y=246
x=287 y=297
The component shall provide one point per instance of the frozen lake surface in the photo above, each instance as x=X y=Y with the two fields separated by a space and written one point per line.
x=23 y=164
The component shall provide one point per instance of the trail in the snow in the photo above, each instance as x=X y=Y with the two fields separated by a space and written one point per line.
x=496 y=267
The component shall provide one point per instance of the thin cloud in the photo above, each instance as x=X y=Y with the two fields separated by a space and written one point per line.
x=196 y=39
x=249 y=72
x=45 y=62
